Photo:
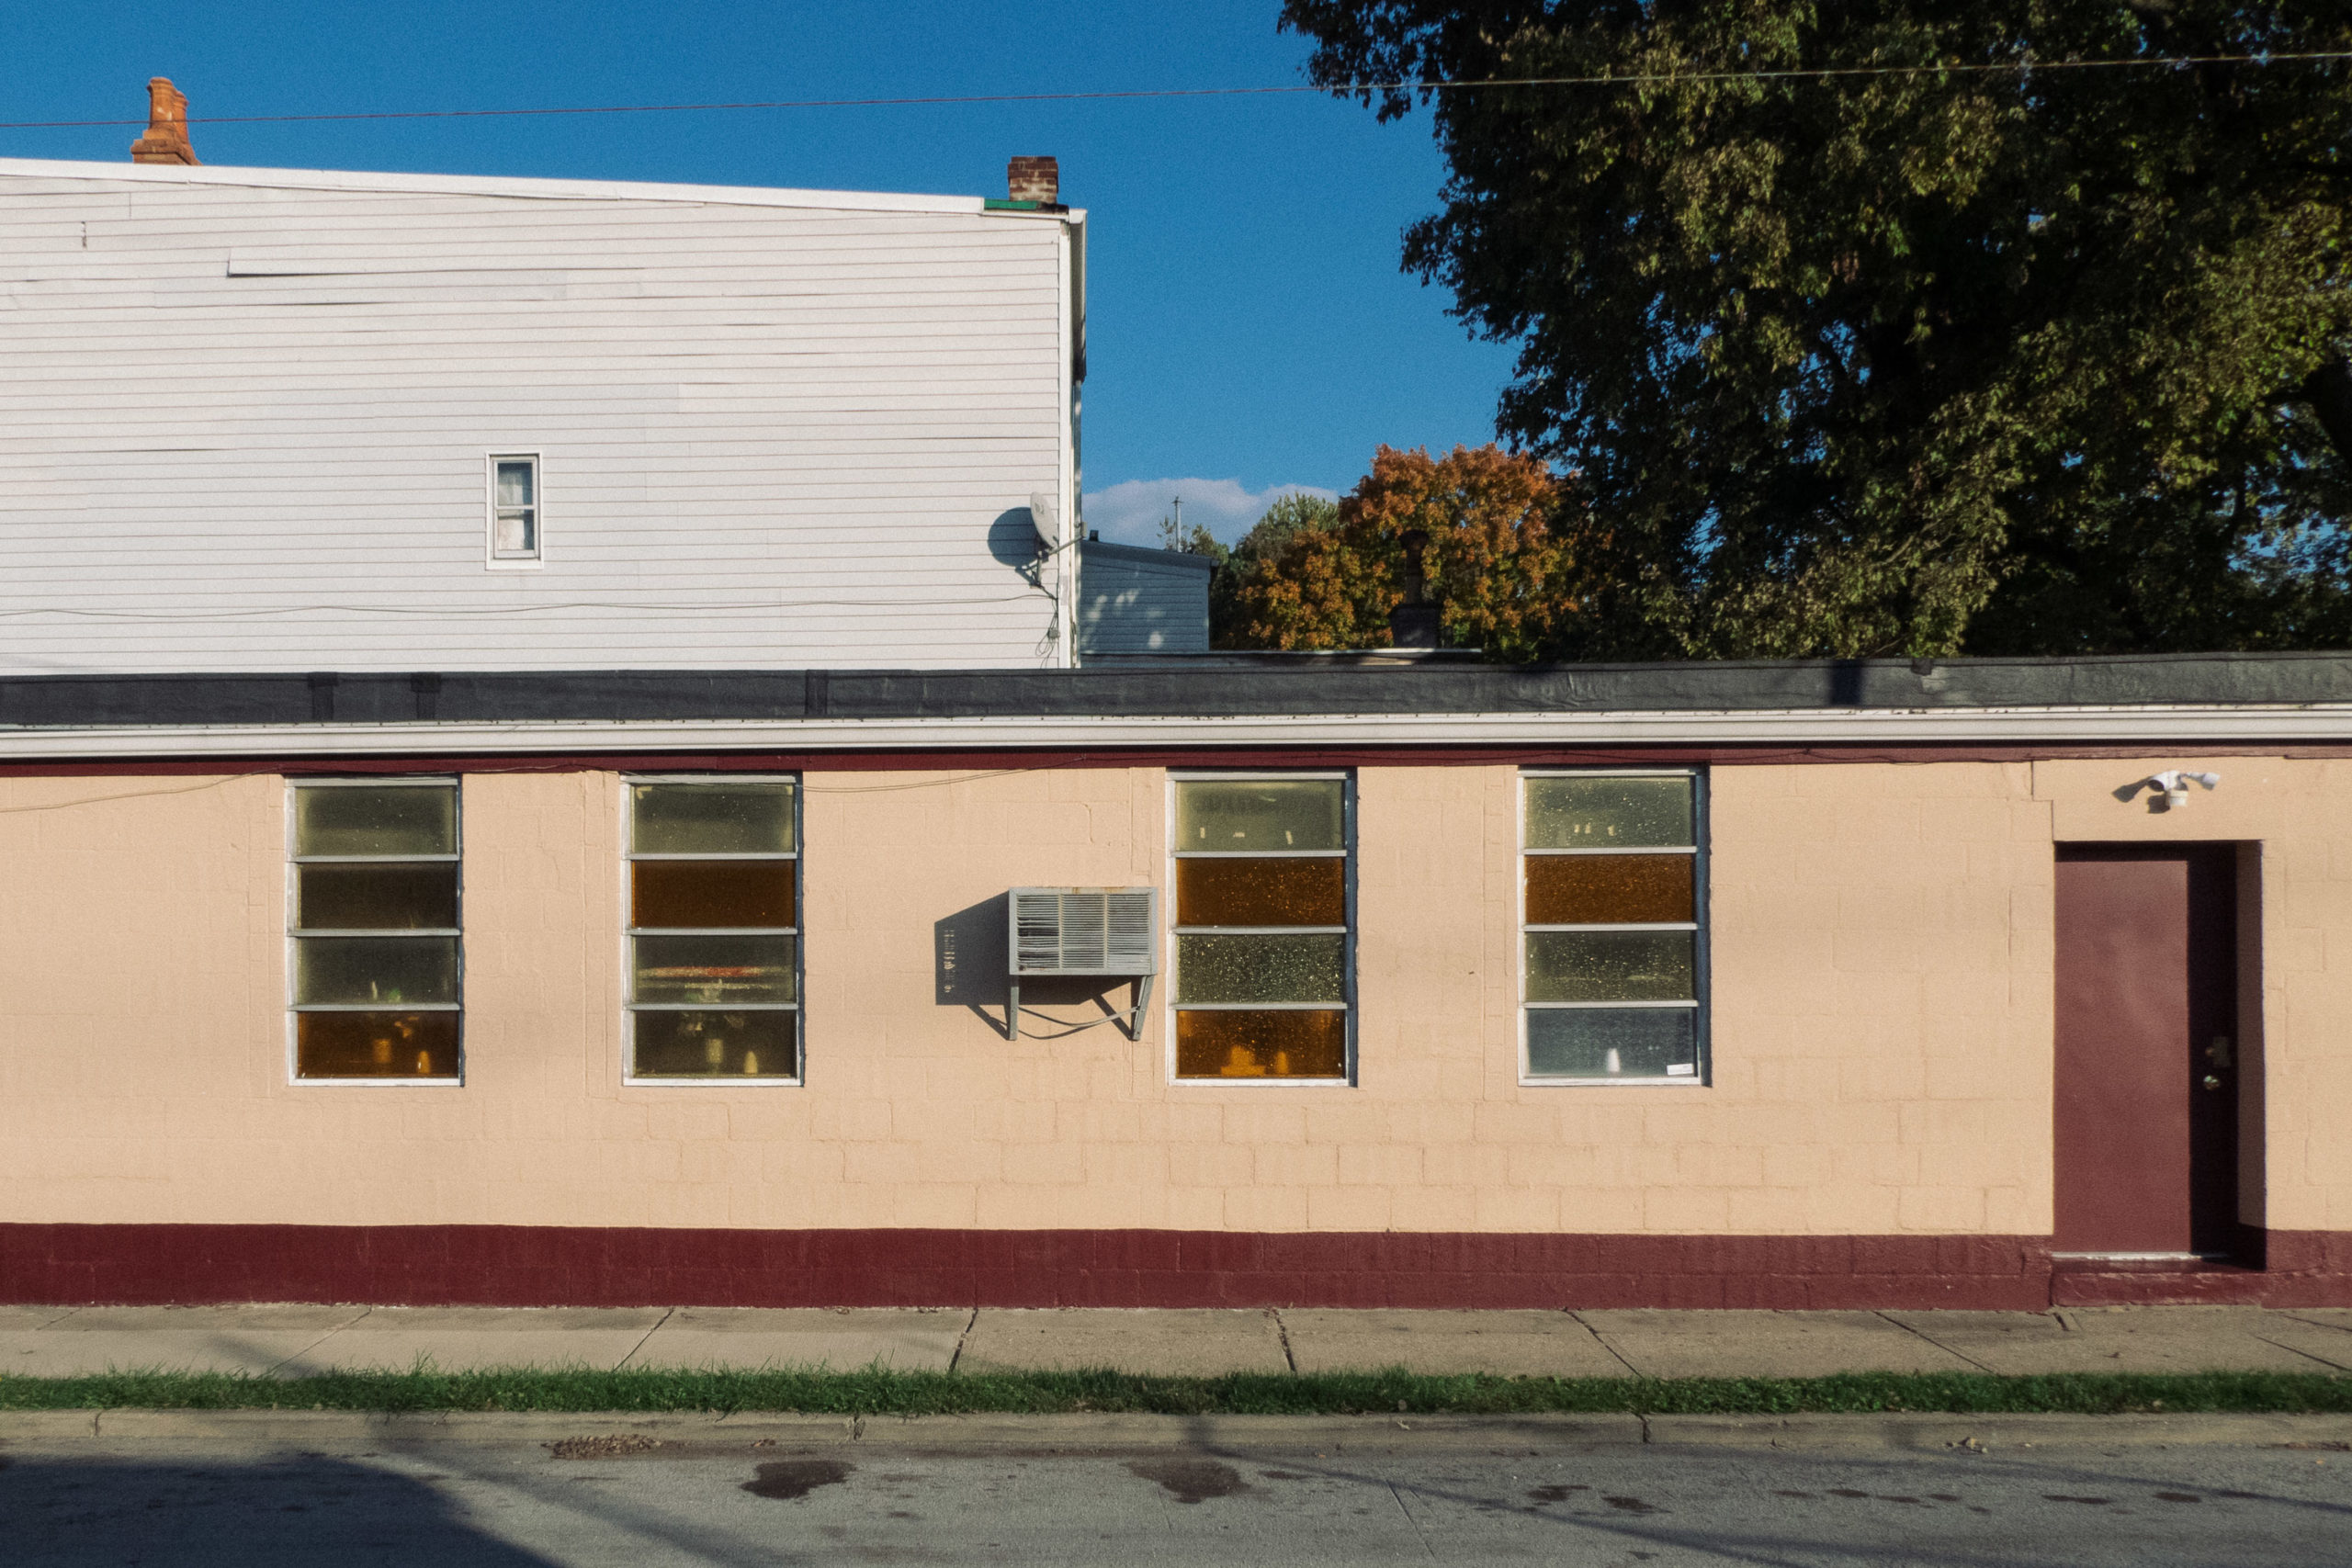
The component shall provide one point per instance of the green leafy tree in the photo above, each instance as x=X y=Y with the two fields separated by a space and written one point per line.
x=1195 y=540
x=1488 y=555
x=1255 y=555
x=1242 y=566
x=1920 y=360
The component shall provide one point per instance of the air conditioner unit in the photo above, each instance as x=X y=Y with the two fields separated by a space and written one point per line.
x=1083 y=932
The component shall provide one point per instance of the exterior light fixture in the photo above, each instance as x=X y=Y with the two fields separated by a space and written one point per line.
x=2175 y=784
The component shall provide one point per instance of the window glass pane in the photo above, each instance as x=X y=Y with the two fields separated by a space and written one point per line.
x=1261 y=1044
x=1597 y=890
x=1608 y=814
x=713 y=969
x=1609 y=966
x=1262 y=814
x=748 y=1044
x=1261 y=968
x=515 y=484
x=376 y=1044
x=1261 y=892
x=1608 y=1042
x=513 y=534
x=412 y=819
x=375 y=969
x=712 y=819
x=710 y=892
x=376 y=897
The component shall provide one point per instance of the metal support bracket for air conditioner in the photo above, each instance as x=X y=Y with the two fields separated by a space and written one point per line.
x=1093 y=932
x=1131 y=1021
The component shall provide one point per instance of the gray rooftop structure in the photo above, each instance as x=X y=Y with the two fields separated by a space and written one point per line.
x=1138 y=601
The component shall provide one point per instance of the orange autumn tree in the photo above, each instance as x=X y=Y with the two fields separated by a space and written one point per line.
x=1495 y=562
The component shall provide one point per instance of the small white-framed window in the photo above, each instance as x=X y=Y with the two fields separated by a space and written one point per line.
x=713 y=933
x=514 y=507
x=1613 y=944
x=1263 y=929
x=375 y=965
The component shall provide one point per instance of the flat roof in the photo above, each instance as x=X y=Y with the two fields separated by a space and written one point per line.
x=1178 y=686
x=501 y=186
x=1147 y=555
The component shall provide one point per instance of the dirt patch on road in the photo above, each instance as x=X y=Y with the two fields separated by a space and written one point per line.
x=788 y=1479
x=620 y=1445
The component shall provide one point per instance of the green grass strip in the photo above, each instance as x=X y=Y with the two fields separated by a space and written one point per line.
x=882 y=1391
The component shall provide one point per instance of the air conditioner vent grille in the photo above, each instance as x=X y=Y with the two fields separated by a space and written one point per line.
x=1085 y=930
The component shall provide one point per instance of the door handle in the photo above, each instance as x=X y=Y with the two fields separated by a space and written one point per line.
x=2212 y=1082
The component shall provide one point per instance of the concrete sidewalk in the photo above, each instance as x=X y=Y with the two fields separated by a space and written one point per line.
x=297 y=1340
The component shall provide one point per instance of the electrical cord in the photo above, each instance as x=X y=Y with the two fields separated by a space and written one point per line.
x=176 y=616
x=1070 y=1026
x=127 y=794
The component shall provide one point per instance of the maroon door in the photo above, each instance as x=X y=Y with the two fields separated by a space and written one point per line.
x=2147 y=1083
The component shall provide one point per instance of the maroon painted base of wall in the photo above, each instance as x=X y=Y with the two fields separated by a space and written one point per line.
x=552 y=1266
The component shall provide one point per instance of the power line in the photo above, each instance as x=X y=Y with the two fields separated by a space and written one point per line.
x=2020 y=67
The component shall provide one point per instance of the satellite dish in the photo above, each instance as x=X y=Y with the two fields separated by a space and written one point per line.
x=1045 y=515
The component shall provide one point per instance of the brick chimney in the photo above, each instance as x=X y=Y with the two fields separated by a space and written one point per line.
x=1033 y=180
x=167 y=139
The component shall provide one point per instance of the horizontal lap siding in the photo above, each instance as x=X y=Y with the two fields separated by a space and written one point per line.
x=1129 y=606
x=244 y=429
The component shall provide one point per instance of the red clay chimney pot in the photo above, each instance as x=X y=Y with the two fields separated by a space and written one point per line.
x=167 y=139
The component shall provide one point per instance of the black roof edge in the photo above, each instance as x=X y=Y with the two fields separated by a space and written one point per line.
x=1176 y=688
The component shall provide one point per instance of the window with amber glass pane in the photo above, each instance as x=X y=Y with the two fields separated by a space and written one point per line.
x=1262 y=951
x=714 y=939
x=375 y=955
x=1614 y=962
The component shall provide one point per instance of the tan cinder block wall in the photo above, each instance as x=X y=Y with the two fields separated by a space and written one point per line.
x=1882 y=1000
x=2295 y=1173
x=1881 y=988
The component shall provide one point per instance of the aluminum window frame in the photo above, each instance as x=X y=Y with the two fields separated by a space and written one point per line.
x=1170 y=963
x=493 y=558
x=1701 y=955
x=295 y=936
x=629 y=1007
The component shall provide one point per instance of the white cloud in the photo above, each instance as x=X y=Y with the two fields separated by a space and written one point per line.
x=1129 y=513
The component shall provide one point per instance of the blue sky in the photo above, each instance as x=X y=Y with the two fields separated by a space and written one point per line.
x=1250 y=327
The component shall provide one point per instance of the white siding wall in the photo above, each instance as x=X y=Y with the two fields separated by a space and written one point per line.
x=1135 y=600
x=242 y=428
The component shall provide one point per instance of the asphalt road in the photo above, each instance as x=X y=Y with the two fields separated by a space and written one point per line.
x=478 y=1504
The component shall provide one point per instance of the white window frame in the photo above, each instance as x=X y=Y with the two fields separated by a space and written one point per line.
x=294 y=937
x=493 y=556
x=1701 y=957
x=799 y=931
x=1346 y=778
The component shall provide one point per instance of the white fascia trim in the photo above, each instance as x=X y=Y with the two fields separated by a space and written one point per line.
x=2206 y=726
x=487 y=184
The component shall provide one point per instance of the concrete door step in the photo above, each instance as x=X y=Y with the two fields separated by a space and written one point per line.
x=2199 y=1283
